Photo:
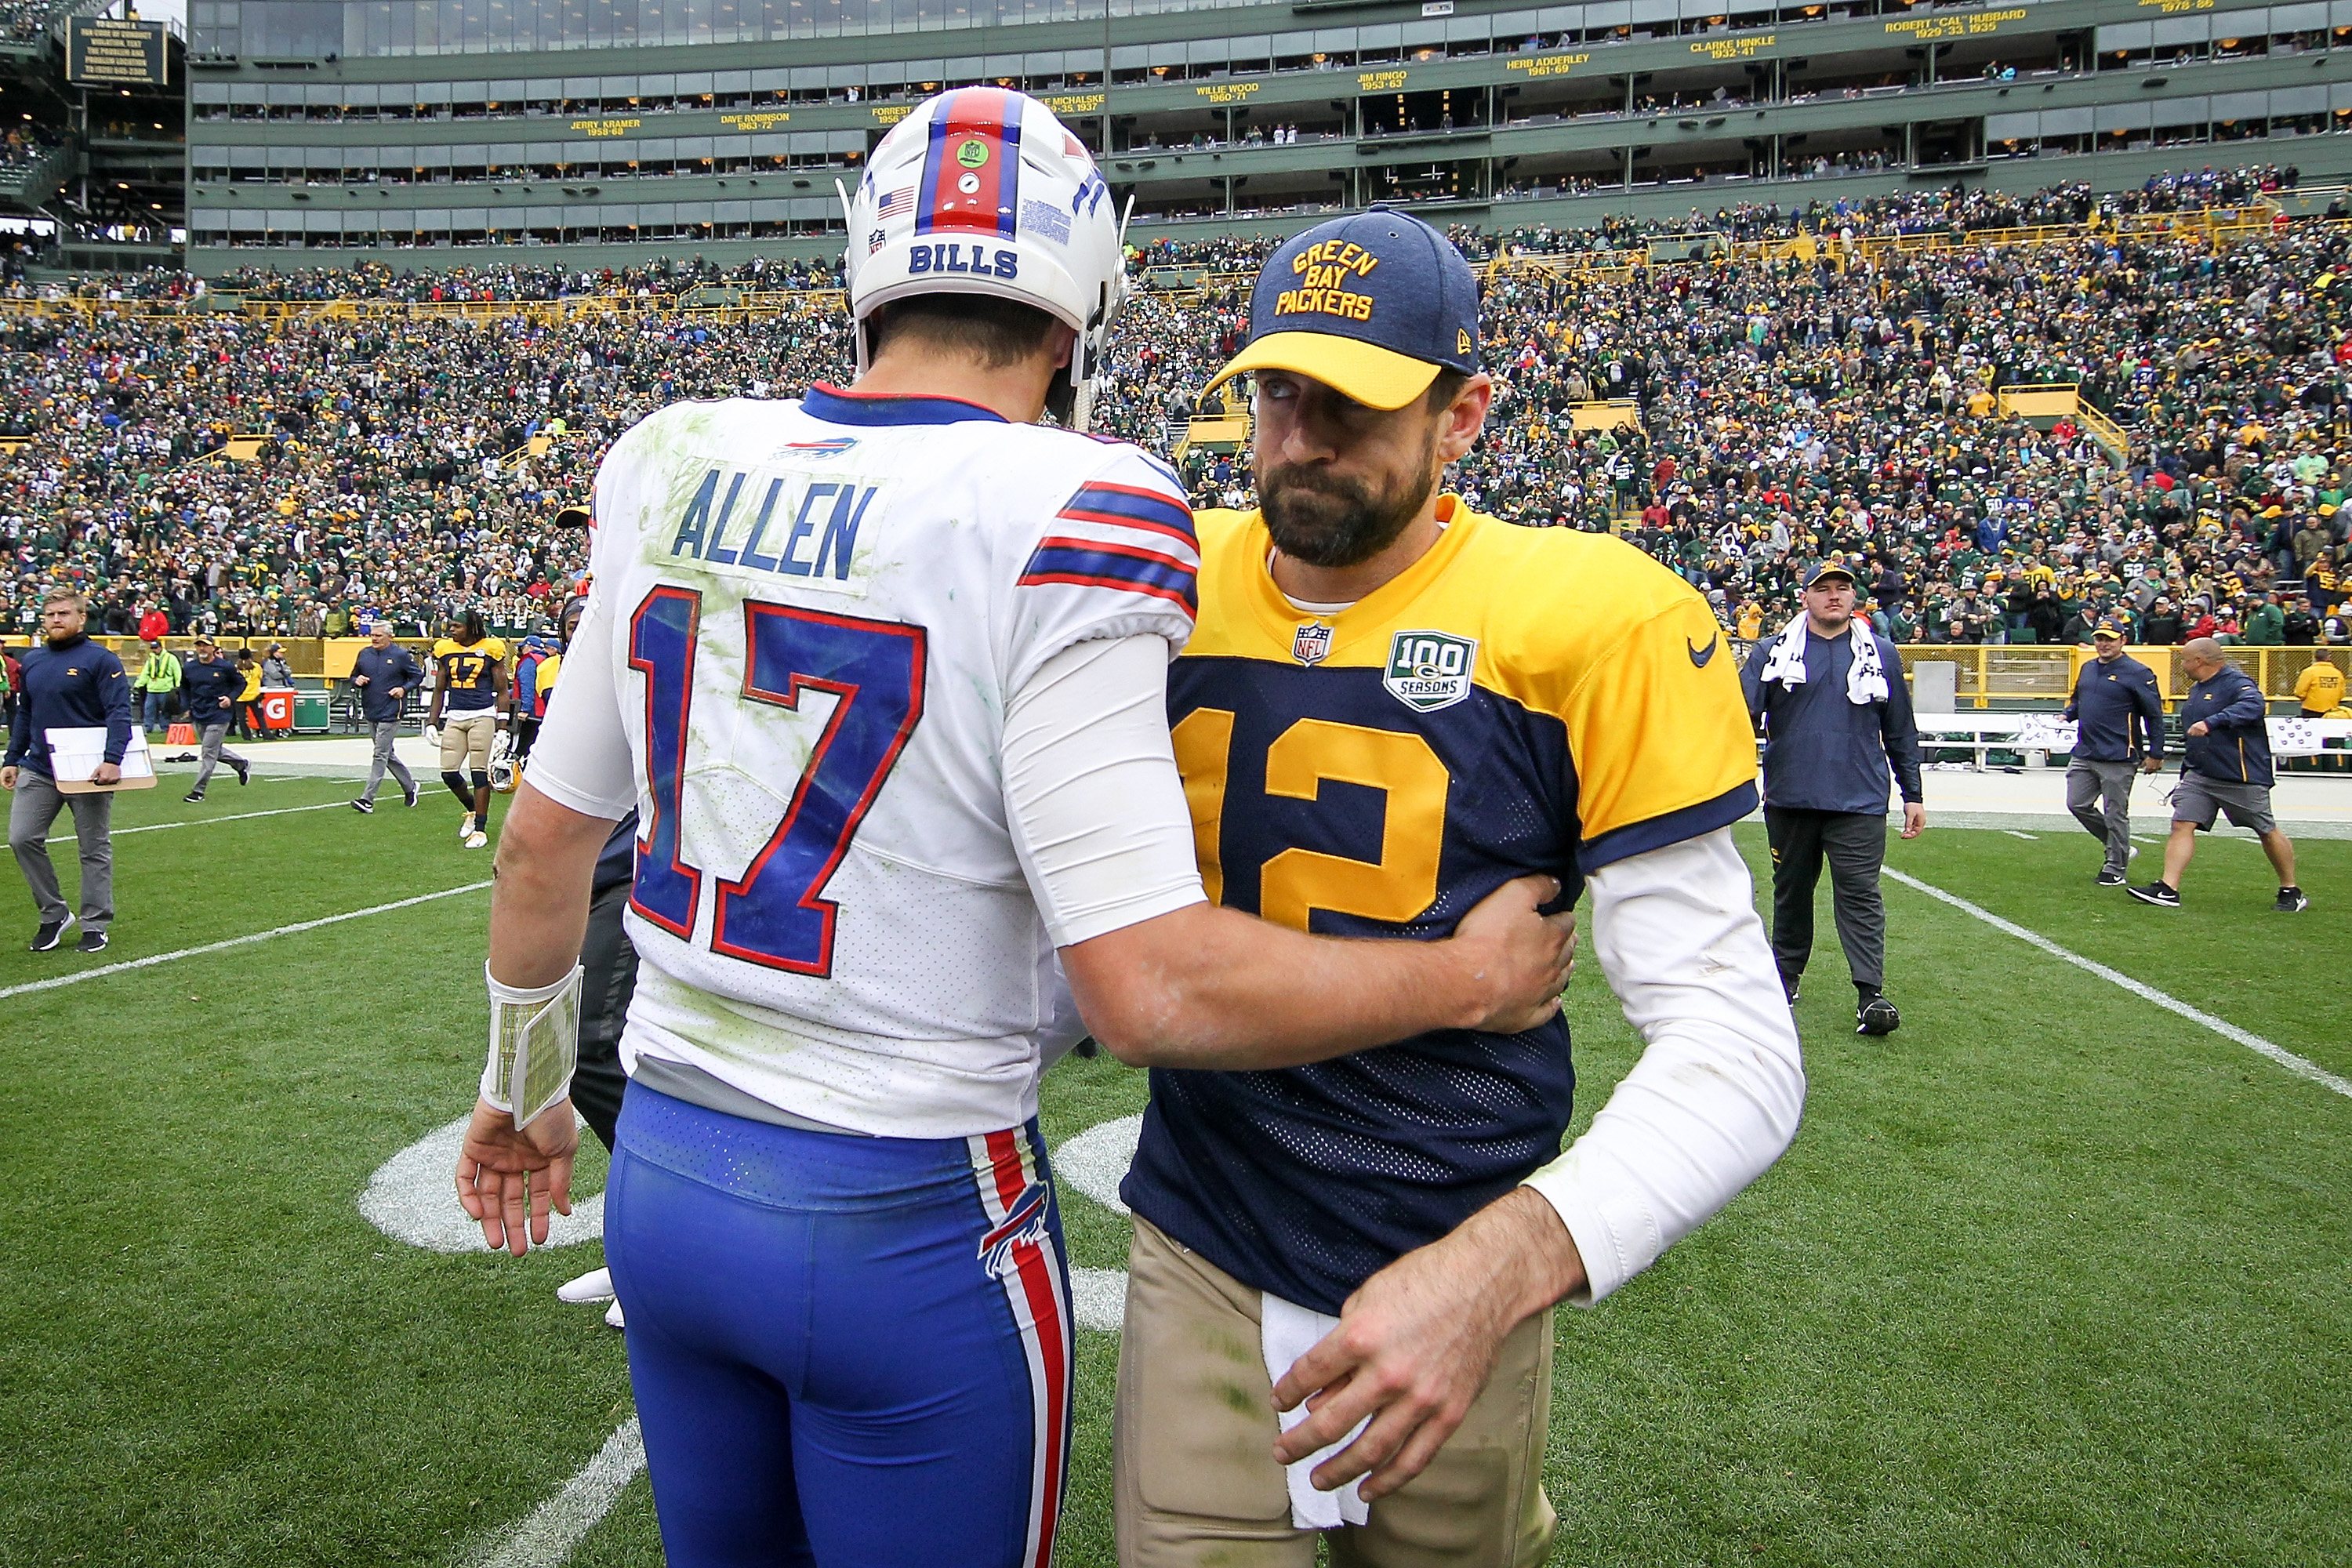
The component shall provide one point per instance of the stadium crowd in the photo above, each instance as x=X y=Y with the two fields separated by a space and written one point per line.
x=21 y=21
x=1775 y=411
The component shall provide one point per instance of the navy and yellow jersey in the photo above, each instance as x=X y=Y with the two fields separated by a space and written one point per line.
x=1518 y=700
x=469 y=673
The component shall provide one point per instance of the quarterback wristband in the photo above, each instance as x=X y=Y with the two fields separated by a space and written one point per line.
x=534 y=1045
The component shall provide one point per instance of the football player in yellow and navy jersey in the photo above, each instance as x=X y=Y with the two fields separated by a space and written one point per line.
x=1390 y=706
x=466 y=706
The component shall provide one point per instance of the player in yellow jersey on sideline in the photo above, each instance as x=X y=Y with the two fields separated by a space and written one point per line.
x=1391 y=705
x=468 y=704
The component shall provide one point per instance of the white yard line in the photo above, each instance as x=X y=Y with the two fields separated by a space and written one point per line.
x=2295 y=1063
x=208 y=821
x=2029 y=837
x=556 y=1527
x=152 y=959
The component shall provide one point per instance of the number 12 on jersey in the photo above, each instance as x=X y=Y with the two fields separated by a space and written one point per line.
x=775 y=914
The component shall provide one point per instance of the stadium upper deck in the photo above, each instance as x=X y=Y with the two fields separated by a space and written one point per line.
x=617 y=131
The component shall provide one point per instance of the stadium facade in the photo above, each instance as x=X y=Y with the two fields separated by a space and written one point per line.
x=601 y=132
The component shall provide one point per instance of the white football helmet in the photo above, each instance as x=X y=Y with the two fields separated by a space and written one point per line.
x=504 y=773
x=981 y=191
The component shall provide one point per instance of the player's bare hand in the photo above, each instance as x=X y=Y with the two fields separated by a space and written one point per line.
x=8 y=778
x=2151 y=765
x=1914 y=819
x=1518 y=959
x=2200 y=728
x=508 y=1179
x=105 y=773
x=1416 y=1344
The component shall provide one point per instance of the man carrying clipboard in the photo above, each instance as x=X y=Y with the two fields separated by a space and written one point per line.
x=70 y=682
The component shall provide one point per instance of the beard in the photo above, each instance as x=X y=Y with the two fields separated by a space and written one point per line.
x=1322 y=520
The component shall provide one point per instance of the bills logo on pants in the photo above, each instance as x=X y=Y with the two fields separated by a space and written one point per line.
x=1018 y=1250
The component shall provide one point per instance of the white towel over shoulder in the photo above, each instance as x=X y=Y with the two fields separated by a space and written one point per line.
x=1865 y=679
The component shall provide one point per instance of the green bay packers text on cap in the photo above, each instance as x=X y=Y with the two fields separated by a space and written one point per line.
x=1323 y=272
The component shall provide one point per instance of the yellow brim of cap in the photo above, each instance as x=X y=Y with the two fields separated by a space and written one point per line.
x=1374 y=376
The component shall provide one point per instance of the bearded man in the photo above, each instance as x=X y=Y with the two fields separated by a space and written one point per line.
x=1388 y=705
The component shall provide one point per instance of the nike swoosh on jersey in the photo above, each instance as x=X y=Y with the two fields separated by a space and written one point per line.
x=1699 y=657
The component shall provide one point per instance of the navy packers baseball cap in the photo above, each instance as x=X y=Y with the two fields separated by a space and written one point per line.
x=1832 y=567
x=2108 y=629
x=1372 y=306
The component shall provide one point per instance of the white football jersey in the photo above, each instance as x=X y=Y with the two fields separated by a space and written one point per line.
x=806 y=618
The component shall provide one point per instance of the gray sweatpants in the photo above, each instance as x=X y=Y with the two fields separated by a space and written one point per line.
x=385 y=735
x=2090 y=785
x=1854 y=844
x=212 y=754
x=39 y=800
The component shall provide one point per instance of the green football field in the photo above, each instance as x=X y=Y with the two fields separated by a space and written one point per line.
x=2052 y=1275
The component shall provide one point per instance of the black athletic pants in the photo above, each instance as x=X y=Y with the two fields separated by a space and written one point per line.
x=610 y=977
x=1854 y=844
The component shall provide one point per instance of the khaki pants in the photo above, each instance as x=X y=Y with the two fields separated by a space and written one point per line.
x=466 y=741
x=1198 y=1484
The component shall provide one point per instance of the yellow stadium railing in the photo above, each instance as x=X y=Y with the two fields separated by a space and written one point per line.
x=2041 y=673
x=2220 y=225
x=2040 y=399
x=2104 y=430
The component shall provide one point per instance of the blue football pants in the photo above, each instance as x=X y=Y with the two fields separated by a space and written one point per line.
x=848 y=1352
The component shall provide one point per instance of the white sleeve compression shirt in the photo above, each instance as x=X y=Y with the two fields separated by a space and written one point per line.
x=1092 y=794
x=1718 y=1092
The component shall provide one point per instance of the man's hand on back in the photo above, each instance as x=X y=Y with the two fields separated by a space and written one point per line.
x=509 y=1178
x=1416 y=1342
x=1527 y=956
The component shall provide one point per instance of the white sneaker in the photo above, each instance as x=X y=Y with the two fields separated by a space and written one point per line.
x=596 y=1285
x=2134 y=855
x=465 y=825
x=477 y=841
x=613 y=1316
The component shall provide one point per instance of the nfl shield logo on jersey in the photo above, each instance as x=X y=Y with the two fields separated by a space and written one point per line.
x=1429 y=670
x=1312 y=643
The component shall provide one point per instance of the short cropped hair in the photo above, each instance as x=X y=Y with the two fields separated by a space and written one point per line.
x=999 y=334
x=65 y=596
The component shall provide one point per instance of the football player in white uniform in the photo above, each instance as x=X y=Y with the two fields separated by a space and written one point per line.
x=883 y=673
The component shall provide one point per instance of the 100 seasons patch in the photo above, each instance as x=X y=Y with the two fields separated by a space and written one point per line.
x=1429 y=670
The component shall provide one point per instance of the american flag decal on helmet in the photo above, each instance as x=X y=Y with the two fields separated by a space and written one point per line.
x=897 y=203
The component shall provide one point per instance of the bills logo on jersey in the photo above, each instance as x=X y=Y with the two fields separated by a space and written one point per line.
x=1429 y=670
x=832 y=448
x=1311 y=644
x=1024 y=1222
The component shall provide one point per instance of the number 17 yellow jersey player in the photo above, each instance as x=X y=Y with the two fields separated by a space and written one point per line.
x=1390 y=706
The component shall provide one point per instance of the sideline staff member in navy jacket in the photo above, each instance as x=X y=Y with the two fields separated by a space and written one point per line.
x=1829 y=691
x=71 y=683
x=2225 y=766
x=2118 y=714
x=385 y=674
